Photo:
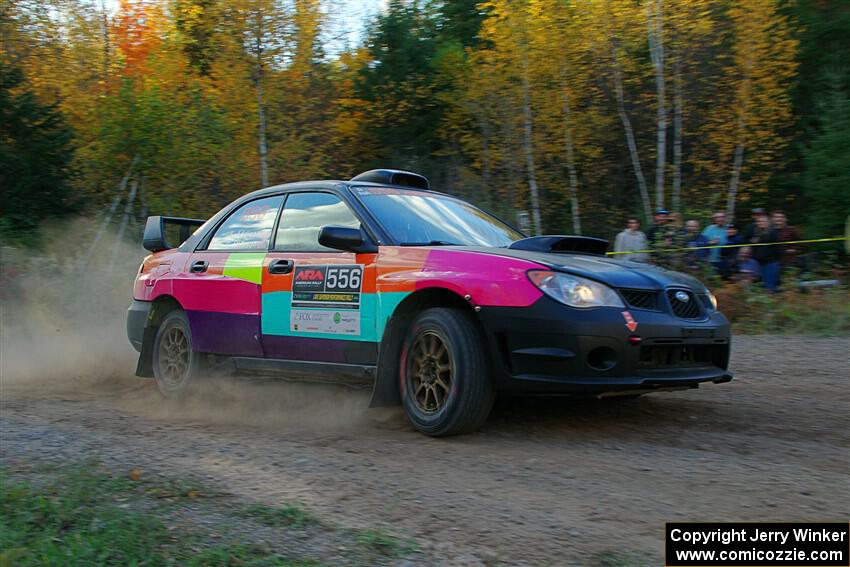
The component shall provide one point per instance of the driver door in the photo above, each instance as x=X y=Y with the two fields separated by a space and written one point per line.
x=318 y=304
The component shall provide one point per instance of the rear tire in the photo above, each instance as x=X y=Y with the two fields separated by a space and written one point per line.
x=444 y=380
x=175 y=364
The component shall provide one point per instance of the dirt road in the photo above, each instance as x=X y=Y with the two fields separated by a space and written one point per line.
x=546 y=482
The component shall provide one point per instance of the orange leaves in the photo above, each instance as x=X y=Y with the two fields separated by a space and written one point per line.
x=137 y=30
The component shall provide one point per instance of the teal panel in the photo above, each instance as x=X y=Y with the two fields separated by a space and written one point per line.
x=277 y=308
x=375 y=310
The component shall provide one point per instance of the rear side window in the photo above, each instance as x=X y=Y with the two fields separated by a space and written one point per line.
x=249 y=227
x=304 y=216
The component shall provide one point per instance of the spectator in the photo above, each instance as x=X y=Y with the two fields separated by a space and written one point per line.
x=729 y=256
x=715 y=234
x=630 y=240
x=657 y=233
x=789 y=253
x=674 y=223
x=757 y=213
x=766 y=255
x=748 y=268
x=691 y=237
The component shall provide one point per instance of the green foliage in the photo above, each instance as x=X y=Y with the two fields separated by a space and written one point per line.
x=384 y=543
x=826 y=182
x=35 y=159
x=86 y=517
x=278 y=516
x=793 y=311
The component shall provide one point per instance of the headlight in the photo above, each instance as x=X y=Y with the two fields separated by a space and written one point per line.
x=574 y=291
x=711 y=298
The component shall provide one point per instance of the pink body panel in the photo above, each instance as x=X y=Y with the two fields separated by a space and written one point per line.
x=488 y=279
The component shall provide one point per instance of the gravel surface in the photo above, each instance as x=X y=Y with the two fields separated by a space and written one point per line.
x=547 y=481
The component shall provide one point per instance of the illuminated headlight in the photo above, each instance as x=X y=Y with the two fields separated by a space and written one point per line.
x=712 y=299
x=573 y=290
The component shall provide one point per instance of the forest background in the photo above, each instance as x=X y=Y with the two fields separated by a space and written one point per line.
x=572 y=114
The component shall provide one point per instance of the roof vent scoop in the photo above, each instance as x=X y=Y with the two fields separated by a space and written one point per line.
x=562 y=244
x=394 y=177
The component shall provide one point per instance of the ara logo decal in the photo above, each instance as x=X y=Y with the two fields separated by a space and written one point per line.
x=631 y=324
x=310 y=276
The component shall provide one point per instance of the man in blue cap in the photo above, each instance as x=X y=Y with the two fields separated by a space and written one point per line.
x=657 y=233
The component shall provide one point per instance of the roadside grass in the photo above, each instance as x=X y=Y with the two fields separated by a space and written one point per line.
x=278 y=516
x=84 y=516
x=382 y=542
x=792 y=311
x=618 y=559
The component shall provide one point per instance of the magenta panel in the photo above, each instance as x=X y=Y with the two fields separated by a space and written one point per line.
x=489 y=279
x=217 y=293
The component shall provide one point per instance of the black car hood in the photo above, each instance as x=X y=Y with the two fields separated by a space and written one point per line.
x=614 y=272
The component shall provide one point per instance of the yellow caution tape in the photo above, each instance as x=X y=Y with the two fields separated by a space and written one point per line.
x=692 y=248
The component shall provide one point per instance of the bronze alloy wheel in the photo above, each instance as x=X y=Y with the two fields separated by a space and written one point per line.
x=444 y=374
x=174 y=356
x=430 y=372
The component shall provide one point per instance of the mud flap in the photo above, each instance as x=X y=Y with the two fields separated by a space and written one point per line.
x=386 y=390
x=144 y=368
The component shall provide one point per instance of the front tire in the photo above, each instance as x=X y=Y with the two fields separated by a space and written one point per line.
x=444 y=380
x=175 y=364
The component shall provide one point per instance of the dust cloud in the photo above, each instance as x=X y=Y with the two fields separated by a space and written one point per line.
x=62 y=334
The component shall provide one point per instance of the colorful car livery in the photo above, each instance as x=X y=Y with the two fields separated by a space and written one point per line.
x=435 y=303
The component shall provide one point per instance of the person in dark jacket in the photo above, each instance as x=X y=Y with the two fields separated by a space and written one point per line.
x=729 y=256
x=789 y=254
x=767 y=255
x=658 y=230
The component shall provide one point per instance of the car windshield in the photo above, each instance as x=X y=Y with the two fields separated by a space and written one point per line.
x=417 y=218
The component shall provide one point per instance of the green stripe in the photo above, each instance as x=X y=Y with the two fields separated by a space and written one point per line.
x=245 y=266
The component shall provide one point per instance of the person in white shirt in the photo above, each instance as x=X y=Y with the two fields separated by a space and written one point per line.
x=630 y=240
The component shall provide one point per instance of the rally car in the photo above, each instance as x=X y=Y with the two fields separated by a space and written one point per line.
x=434 y=303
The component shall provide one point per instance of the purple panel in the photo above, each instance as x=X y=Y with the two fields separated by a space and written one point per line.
x=303 y=348
x=225 y=333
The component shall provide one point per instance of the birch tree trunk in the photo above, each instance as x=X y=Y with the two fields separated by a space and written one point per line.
x=125 y=219
x=656 y=51
x=677 y=135
x=528 y=147
x=112 y=208
x=105 y=24
x=570 y=151
x=737 y=163
x=259 y=73
x=630 y=136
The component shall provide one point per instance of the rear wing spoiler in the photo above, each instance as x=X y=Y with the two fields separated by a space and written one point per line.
x=154 y=236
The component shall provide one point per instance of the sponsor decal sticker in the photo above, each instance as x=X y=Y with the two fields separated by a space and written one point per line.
x=631 y=324
x=326 y=299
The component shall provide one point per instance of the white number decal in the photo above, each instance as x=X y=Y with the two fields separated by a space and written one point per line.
x=331 y=283
x=355 y=278
x=343 y=278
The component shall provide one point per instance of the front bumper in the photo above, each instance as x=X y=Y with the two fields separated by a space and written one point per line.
x=137 y=317
x=551 y=348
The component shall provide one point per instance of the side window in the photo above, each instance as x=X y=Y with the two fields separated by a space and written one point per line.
x=249 y=227
x=304 y=215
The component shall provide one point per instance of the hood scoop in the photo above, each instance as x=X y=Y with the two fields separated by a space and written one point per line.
x=562 y=244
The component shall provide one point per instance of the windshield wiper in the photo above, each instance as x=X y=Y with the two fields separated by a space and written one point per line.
x=431 y=243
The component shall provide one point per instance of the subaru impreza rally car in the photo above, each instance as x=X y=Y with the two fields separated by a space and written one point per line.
x=433 y=302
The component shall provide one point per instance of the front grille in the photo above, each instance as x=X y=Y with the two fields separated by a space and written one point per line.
x=641 y=299
x=689 y=309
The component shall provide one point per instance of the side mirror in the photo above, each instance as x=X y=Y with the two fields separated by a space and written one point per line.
x=345 y=238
